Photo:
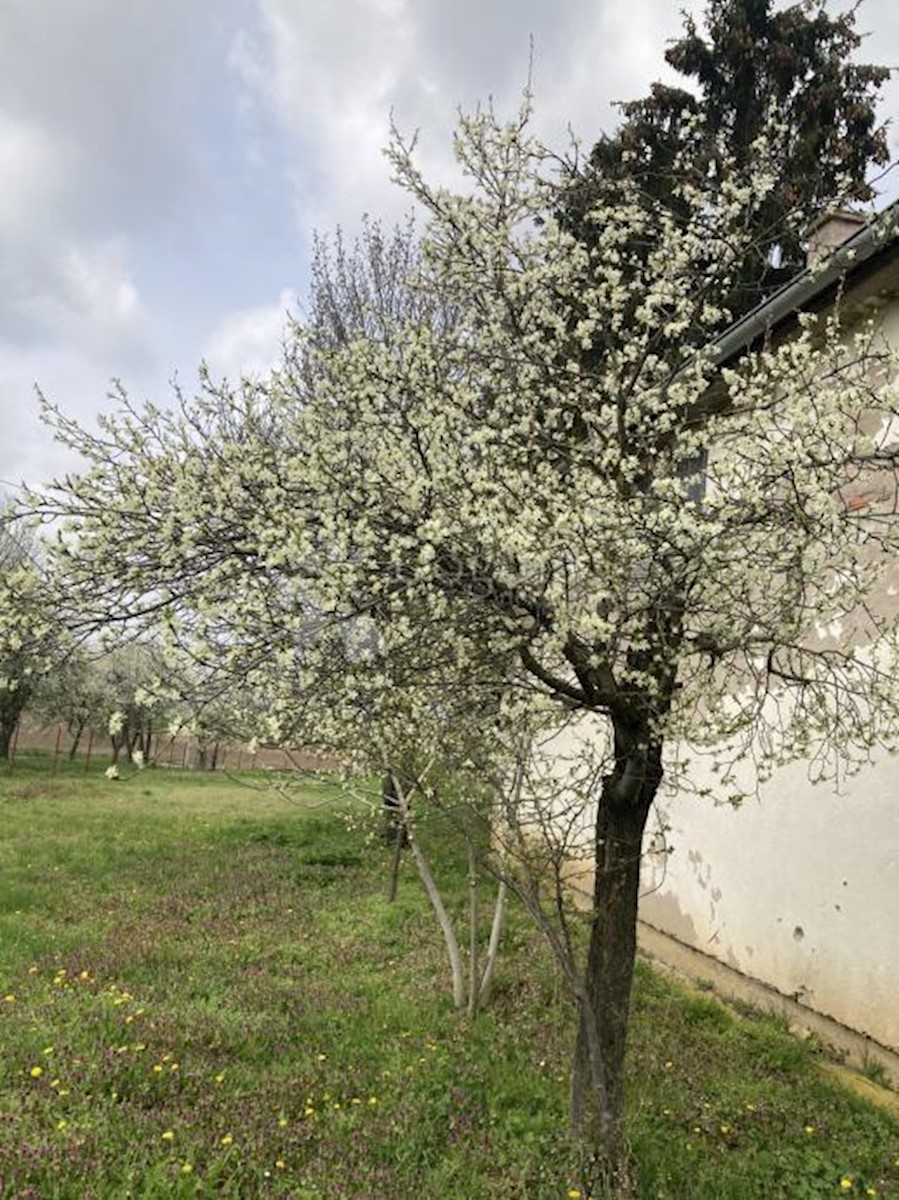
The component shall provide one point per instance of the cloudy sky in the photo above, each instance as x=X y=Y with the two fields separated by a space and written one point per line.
x=165 y=164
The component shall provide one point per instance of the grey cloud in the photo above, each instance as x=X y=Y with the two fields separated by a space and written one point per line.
x=113 y=116
x=121 y=89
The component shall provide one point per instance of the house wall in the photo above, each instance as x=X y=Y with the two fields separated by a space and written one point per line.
x=798 y=889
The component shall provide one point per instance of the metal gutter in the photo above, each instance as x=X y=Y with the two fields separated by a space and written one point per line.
x=875 y=237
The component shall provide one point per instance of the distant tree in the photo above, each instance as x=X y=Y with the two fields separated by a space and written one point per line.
x=131 y=708
x=73 y=692
x=26 y=633
x=746 y=62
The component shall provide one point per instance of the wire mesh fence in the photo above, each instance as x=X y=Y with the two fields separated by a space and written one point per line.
x=59 y=748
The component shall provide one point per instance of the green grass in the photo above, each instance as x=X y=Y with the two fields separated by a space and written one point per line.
x=206 y=994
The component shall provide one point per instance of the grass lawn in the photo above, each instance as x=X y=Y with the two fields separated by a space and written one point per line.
x=204 y=992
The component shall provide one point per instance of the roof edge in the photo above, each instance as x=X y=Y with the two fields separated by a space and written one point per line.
x=881 y=231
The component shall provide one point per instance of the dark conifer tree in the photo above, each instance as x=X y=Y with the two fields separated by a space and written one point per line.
x=745 y=61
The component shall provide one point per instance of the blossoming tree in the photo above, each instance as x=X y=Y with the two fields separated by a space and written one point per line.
x=28 y=637
x=534 y=481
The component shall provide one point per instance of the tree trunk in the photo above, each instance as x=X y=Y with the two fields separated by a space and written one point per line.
x=397 y=855
x=394 y=828
x=443 y=920
x=76 y=729
x=496 y=932
x=6 y=732
x=597 y=1081
x=474 y=982
x=12 y=703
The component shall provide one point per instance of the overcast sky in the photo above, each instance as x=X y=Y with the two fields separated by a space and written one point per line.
x=165 y=162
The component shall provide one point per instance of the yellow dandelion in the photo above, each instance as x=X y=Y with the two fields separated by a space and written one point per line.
x=846 y=1184
x=220 y=1077
x=54 y=1083
x=187 y=1168
x=62 y=1124
x=309 y=1111
x=10 y=998
x=227 y=1140
x=871 y=1191
x=373 y=1102
x=36 y=1072
x=157 y=1068
x=280 y=1164
x=725 y=1128
x=809 y=1129
x=574 y=1194
x=169 y=1135
x=282 y=1122
x=321 y=1057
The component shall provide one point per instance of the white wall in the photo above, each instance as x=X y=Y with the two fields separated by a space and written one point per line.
x=799 y=889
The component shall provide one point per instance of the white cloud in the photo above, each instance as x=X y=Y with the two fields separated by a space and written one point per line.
x=248 y=342
x=89 y=301
x=333 y=76
x=328 y=75
x=32 y=167
x=65 y=375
